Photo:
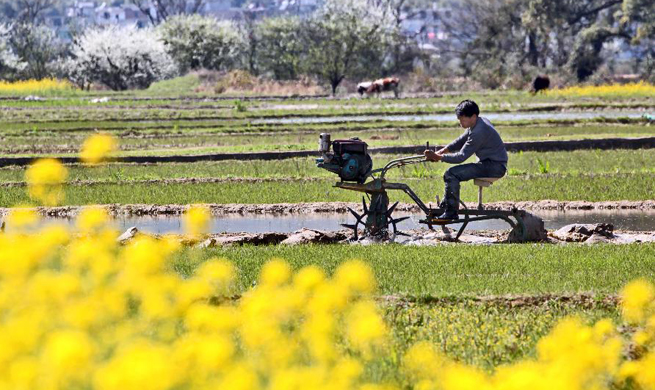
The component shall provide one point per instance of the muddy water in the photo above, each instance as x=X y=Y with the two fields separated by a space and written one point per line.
x=634 y=220
x=514 y=116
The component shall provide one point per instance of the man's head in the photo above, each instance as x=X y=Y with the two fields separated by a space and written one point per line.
x=467 y=113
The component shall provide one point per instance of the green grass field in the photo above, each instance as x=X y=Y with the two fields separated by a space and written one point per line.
x=579 y=175
x=456 y=270
x=589 y=162
x=595 y=188
x=486 y=335
x=201 y=141
x=439 y=292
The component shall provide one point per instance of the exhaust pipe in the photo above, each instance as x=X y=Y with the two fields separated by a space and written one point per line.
x=324 y=143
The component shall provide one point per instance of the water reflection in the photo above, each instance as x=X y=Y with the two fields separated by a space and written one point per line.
x=635 y=220
x=621 y=219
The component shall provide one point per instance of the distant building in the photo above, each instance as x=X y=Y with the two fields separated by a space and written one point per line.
x=222 y=9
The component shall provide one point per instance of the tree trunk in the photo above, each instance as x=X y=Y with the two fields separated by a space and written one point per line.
x=533 y=53
x=334 y=82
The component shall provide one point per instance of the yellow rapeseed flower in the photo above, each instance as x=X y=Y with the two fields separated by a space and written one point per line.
x=45 y=179
x=275 y=273
x=42 y=86
x=642 y=371
x=97 y=148
x=356 y=276
x=636 y=298
x=81 y=311
x=366 y=328
x=196 y=220
x=461 y=377
x=218 y=274
x=308 y=278
x=423 y=361
x=640 y=89
x=92 y=219
x=21 y=217
x=202 y=317
x=140 y=365
x=68 y=354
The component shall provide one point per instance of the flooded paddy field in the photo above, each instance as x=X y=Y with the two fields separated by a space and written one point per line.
x=632 y=220
x=515 y=116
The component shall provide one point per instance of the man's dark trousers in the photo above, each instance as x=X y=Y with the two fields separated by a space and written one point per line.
x=464 y=172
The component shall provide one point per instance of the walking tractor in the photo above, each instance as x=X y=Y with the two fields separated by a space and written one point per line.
x=350 y=160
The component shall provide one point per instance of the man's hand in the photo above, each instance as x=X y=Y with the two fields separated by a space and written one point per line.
x=432 y=156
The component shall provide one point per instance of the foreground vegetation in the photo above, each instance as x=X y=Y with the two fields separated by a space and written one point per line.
x=174 y=318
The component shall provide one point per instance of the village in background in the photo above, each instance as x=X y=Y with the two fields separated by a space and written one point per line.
x=333 y=45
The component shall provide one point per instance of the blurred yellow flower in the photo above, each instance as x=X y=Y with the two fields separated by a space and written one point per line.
x=203 y=317
x=218 y=274
x=22 y=216
x=461 y=377
x=196 y=220
x=140 y=365
x=636 y=297
x=69 y=354
x=275 y=273
x=641 y=371
x=366 y=329
x=422 y=361
x=92 y=218
x=97 y=148
x=45 y=179
x=356 y=276
x=309 y=278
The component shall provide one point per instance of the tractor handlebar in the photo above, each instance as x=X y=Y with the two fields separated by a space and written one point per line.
x=398 y=163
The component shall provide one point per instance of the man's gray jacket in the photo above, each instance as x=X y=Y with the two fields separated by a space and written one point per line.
x=481 y=139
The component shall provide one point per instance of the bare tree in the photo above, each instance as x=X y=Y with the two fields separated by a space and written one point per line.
x=167 y=8
x=345 y=38
x=29 y=10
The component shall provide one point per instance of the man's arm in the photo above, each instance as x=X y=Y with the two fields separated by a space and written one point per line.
x=473 y=143
x=436 y=156
x=458 y=143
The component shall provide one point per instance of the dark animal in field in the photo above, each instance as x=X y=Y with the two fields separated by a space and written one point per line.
x=378 y=86
x=540 y=83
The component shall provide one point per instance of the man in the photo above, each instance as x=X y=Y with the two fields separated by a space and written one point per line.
x=480 y=138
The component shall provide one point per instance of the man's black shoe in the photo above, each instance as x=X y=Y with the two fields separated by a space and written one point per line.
x=450 y=216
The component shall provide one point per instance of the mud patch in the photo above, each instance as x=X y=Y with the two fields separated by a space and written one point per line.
x=584 y=232
x=417 y=238
x=587 y=301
